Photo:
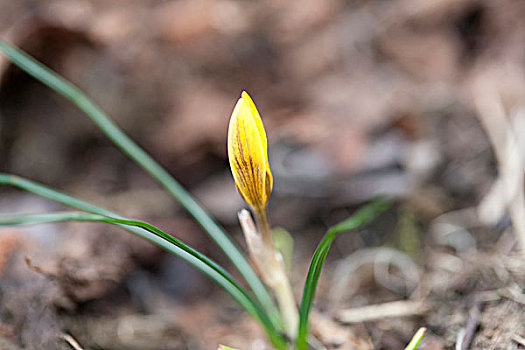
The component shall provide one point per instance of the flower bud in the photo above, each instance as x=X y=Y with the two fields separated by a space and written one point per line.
x=248 y=154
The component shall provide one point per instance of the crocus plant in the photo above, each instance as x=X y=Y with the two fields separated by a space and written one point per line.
x=248 y=155
x=285 y=326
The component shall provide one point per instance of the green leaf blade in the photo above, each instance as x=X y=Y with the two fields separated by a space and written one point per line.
x=416 y=339
x=169 y=243
x=358 y=219
x=161 y=239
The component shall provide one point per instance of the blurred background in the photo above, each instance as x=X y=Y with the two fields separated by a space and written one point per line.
x=422 y=101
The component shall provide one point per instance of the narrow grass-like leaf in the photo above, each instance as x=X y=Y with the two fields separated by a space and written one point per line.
x=416 y=339
x=139 y=156
x=360 y=218
x=163 y=242
x=172 y=245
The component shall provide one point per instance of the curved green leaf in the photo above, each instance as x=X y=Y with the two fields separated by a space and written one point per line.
x=360 y=218
x=172 y=245
x=72 y=202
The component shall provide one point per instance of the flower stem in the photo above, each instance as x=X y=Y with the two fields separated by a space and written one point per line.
x=274 y=274
x=263 y=224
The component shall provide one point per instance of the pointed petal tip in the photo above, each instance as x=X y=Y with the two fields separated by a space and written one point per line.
x=245 y=95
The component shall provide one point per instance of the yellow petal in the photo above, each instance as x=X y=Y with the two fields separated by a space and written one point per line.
x=262 y=135
x=248 y=153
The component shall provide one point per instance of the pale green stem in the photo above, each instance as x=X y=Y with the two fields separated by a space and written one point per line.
x=263 y=224
x=285 y=298
x=275 y=276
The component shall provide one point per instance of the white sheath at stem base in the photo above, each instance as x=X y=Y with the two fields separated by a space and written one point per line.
x=270 y=264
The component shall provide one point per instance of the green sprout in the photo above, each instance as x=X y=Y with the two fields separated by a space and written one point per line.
x=416 y=339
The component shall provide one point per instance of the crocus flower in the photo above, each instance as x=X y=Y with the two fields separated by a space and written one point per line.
x=248 y=154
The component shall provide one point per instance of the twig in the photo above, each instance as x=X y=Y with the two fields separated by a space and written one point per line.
x=380 y=311
x=518 y=339
x=459 y=339
x=513 y=292
x=315 y=343
x=471 y=325
x=504 y=140
x=345 y=282
x=71 y=341
x=333 y=334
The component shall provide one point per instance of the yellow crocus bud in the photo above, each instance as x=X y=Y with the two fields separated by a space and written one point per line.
x=248 y=154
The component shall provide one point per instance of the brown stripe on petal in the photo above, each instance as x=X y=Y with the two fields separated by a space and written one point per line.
x=255 y=172
x=243 y=181
x=268 y=185
x=251 y=181
x=255 y=177
x=244 y=176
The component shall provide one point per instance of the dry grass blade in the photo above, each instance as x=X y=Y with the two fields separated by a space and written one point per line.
x=72 y=342
x=380 y=311
x=495 y=121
